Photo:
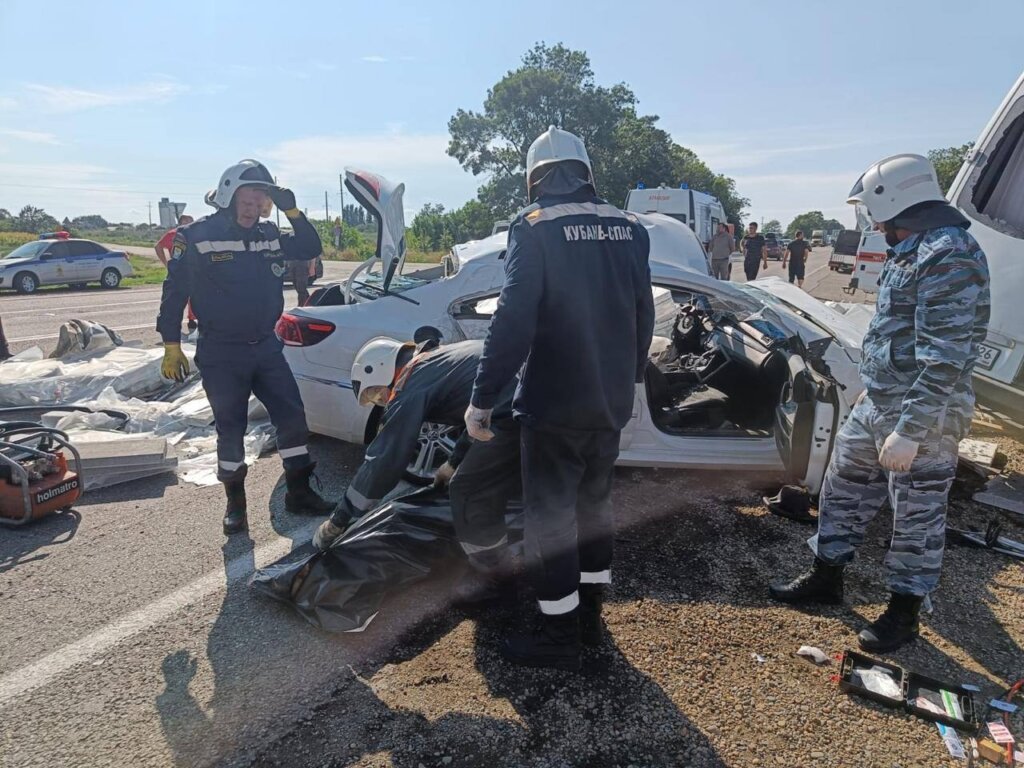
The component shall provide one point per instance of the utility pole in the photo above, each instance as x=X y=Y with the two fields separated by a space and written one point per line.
x=341 y=196
x=327 y=212
x=149 y=207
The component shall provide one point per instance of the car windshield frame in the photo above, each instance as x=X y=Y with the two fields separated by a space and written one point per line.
x=30 y=249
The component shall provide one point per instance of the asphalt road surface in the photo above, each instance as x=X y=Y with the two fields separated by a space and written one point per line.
x=35 y=320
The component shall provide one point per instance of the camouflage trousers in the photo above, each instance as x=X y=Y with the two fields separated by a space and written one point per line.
x=856 y=487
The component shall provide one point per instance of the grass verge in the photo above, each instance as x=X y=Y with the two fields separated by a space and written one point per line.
x=146 y=272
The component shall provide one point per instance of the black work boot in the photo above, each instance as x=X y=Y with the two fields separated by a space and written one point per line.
x=234 y=486
x=300 y=498
x=555 y=643
x=895 y=627
x=591 y=625
x=822 y=584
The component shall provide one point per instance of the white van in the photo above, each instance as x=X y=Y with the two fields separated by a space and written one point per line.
x=699 y=211
x=989 y=190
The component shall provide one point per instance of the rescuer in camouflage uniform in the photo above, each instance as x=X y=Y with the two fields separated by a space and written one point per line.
x=900 y=441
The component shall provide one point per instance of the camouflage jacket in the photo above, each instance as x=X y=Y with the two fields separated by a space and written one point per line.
x=921 y=346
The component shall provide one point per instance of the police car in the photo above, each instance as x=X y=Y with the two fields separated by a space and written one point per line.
x=754 y=376
x=62 y=260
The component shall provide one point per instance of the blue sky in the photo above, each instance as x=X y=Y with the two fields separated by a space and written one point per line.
x=105 y=106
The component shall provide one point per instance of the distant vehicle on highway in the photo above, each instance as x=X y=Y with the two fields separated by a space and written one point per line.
x=773 y=246
x=817 y=237
x=62 y=261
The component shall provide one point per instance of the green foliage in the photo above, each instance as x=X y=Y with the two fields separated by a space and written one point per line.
x=810 y=221
x=773 y=225
x=555 y=86
x=145 y=271
x=435 y=229
x=354 y=215
x=29 y=219
x=354 y=245
x=11 y=240
x=93 y=221
x=128 y=234
x=947 y=163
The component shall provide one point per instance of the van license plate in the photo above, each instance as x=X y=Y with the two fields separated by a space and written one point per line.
x=987 y=357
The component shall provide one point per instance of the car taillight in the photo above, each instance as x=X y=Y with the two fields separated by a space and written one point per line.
x=299 y=331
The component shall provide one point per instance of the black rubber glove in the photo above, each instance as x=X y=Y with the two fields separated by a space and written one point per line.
x=283 y=197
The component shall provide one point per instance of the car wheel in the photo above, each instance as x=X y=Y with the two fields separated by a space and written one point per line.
x=110 y=278
x=25 y=282
x=433 y=448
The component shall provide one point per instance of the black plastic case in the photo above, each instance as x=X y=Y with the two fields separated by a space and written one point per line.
x=912 y=685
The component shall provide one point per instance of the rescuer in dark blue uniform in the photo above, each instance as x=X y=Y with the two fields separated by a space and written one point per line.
x=577 y=309
x=231 y=265
x=431 y=383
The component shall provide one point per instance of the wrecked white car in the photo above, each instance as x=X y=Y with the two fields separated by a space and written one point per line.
x=754 y=377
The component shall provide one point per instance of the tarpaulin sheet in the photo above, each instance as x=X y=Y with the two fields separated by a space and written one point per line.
x=397 y=544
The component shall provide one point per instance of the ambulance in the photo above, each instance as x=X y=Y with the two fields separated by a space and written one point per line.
x=699 y=211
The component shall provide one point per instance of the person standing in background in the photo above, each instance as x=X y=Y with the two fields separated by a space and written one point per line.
x=163 y=252
x=796 y=255
x=721 y=248
x=755 y=252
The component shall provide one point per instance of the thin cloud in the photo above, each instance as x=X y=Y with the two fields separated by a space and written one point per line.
x=6 y=102
x=375 y=59
x=56 y=98
x=311 y=164
x=33 y=137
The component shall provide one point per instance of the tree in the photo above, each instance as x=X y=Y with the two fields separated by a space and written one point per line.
x=435 y=229
x=773 y=226
x=36 y=220
x=947 y=163
x=92 y=221
x=806 y=223
x=555 y=86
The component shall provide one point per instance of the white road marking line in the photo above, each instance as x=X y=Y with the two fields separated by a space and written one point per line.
x=53 y=335
x=49 y=310
x=73 y=293
x=42 y=672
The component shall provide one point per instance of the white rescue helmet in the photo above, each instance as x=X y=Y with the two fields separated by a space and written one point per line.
x=375 y=366
x=891 y=186
x=555 y=146
x=241 y=174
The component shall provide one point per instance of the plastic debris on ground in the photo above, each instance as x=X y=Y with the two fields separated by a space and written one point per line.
x=1004 y=492
x=111 y=462
x=816 y=655
x=397 y=544
x=92 y=369
x=990 y=538
x=878 y=680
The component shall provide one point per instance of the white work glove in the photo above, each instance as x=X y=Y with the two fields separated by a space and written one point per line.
x=443 y=476
x=478 y=423
x=897 y=453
